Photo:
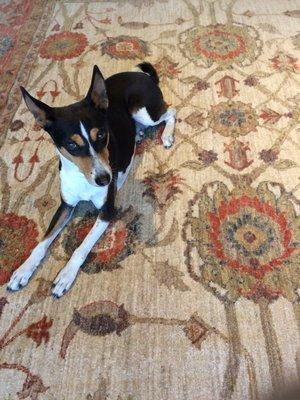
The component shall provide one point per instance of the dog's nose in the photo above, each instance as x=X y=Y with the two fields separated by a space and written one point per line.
x=102 y=180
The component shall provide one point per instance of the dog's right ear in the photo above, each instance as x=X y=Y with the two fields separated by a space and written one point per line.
x=40 y=111
x=97 y=94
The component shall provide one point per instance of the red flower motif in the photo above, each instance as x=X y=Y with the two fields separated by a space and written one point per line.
x=247 y=241
x=254 y=266
x=223 y=44
x=213 y=45
x=39 y=331
x=18 y=236
x=260 y=290
x=125 y=47
x=64 y=45
x=117 y=243
x=111 y=245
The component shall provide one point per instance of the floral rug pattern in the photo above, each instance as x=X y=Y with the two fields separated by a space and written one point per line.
x=193 y=292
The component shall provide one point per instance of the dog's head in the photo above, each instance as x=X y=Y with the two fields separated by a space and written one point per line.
x=80 y=130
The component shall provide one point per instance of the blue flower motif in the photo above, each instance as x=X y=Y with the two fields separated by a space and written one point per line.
x=233 y=117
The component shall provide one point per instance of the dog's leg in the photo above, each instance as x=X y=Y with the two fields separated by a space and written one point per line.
x=108 y=210
x=139 y=129
x=142 y=117
x=167 y=136
x=122 y=176
x=22 y=275
x=67 y=275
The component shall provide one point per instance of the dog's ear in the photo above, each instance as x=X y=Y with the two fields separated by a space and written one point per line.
x=97 y=91
x=40 y=111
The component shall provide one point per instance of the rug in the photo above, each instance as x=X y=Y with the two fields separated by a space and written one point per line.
x=193 y=292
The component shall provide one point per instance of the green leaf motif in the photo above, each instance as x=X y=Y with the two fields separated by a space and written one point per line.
x=168 y=34
x=190 y=79
x=282 y=165
x=197 y=166
x=292 y=13
x=268 y=28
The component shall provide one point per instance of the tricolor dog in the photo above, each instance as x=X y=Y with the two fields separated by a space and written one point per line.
x=95 y=140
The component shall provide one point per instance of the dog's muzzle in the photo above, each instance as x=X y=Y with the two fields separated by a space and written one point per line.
x=102 y=180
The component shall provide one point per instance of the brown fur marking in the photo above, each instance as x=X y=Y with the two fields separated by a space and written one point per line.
x=104 y=157
x=93 y=133
x=77 y=139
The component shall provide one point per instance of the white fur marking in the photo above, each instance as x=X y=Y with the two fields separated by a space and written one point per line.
x=142 y=117
x=167 y=136
x=98 y=167
x=22 y=275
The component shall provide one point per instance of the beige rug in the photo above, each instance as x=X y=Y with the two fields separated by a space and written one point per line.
x=192 y=294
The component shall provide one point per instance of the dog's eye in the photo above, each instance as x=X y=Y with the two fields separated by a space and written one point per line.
x=101 y=134
x=70 y=145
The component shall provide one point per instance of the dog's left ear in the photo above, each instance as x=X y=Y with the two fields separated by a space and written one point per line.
x=97 y=91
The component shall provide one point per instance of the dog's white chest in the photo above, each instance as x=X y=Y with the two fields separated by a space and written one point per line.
x=75 y=187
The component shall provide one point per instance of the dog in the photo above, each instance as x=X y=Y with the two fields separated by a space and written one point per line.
x=95 y=141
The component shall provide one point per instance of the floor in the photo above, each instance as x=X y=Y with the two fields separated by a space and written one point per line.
x=193 y=293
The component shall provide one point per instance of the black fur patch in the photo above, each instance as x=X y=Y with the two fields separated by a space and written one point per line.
x=149 y=69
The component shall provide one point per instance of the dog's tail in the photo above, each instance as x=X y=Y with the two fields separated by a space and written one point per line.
x=148 y=68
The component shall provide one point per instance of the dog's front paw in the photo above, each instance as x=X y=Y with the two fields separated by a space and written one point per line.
x=63 y=282
x=167 y=139
x=20 y=278
x=139 y=136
